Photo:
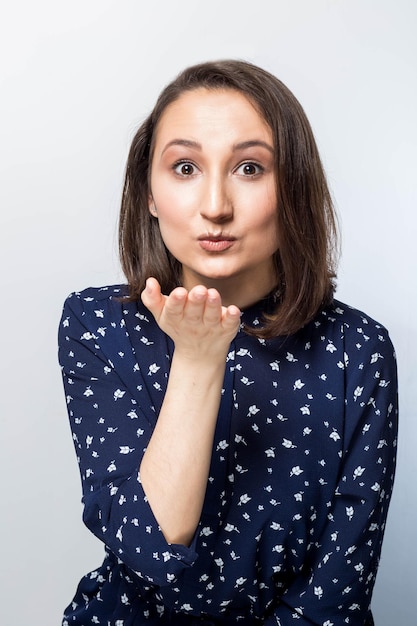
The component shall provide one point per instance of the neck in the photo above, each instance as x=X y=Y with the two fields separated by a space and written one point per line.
x=235 y=291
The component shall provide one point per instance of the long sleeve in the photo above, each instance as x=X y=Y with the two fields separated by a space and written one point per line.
x=111 y=411
x=335 y=586
x=300 y=480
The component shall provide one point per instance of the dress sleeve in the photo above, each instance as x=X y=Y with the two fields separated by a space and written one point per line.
x=110 y=430
x=336 y=584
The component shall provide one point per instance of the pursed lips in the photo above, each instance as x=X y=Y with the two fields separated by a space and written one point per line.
x=216 y=243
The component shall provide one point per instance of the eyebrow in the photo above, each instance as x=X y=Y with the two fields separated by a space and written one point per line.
x=252 y=144
x=188 y=143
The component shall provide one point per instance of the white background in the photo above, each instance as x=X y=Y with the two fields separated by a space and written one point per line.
x=76 y=78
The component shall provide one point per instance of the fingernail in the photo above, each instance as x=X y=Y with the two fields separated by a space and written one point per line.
x=200 y=294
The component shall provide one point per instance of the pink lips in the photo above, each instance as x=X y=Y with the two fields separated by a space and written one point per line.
x=213 y=243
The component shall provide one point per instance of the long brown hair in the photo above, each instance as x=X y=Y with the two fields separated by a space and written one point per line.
x=306 y=259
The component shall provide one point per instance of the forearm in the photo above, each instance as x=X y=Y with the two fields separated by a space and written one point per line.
x=175 y=466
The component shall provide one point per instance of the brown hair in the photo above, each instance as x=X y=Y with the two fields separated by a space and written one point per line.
x=306 y=259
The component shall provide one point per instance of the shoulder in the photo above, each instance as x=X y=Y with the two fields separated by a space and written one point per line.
x=103 y=321
x=98 y=313
x=349 y=335
x=98 y=294
x=354 y=325
x=364 y=342
x=98 y=302
x=100 y=309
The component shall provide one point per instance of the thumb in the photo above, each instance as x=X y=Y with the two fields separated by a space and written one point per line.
x=152 y=297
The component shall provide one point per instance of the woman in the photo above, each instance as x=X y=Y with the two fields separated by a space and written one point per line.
x=235 y=426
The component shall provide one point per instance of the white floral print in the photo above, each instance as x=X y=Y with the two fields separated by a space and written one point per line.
x=300 y=480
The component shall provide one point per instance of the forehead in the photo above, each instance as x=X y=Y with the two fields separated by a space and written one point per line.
x=204 y=111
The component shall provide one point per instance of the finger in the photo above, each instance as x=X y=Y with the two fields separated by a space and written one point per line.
x=231 y=317
x=152 y=297
x=213 y=308
x=195 y=306
x=175 y=302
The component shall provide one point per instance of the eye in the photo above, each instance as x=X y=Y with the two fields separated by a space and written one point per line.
x=184 y=168
x=249 y=169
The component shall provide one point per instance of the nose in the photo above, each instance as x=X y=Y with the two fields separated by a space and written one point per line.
x=216 y=204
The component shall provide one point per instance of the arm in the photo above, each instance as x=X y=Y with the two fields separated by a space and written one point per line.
x=335 y=587
x=112 y=419
x=175 y=466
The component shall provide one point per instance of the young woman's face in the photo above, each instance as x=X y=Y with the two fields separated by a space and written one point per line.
x=213 y=190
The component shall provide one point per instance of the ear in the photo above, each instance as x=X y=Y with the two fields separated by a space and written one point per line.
x=152 y=207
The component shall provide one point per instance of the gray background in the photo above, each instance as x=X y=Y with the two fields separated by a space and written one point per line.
x=76 y=79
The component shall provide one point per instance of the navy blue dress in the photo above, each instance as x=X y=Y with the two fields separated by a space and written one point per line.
x=300 y=480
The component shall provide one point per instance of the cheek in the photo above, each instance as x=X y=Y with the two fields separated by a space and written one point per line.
x=173 y=222
x=173 y=201
x=262 y=212
x=272 y=237
x=268 y=225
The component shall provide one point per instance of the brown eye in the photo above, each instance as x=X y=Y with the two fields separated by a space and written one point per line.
x=249 y=169
x=184 y=169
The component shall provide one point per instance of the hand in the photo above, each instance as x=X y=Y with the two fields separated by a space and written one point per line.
x=195 y=320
